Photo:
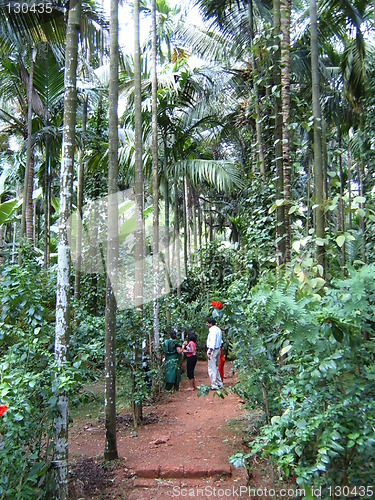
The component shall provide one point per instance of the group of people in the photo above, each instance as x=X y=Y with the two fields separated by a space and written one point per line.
x=215 y=359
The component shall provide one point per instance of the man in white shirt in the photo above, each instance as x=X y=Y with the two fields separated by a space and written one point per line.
x=214 y=342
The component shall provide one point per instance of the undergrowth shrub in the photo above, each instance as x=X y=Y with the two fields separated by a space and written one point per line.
x=308 y=361
x=27 y=380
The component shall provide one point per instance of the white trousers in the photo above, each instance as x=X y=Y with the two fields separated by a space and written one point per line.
x=213 y=369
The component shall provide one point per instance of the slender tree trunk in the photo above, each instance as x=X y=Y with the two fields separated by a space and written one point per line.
x=139 y=236
x=167 y=228
x=29 y=168
x=285 y=7
x=155 y=188
x=185 y=222
x=280 y=214
x=188 y=220
x=360 y=175
x=30 y=230
x=194 y=218
x=258 y=120
x=47 y=206
x=200 y=222
x=167 y=262
x=341 y=208
x=62 y=291
x=77 y=278
x=177 y=236
x=308 y=215
x=110 y=446
x=318 y=156
x=349 y=182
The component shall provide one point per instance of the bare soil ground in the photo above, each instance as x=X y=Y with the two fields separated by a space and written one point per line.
x=182 y=447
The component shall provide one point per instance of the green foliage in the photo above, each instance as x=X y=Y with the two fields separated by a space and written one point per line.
x=27 y=379
x=307 y=360
x=26 y=374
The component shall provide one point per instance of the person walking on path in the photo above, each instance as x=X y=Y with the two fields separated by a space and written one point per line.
x=214 y=342
x=171 y=350
x=190 y=350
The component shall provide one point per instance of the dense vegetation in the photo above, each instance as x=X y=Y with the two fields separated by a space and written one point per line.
x=263 y=183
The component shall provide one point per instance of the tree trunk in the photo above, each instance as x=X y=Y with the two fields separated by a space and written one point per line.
x=167 y=263
x=47 y=206
x=341 y=207
x=285 y=7
x=188 y=221
x=167 y=228
x=30 y=233
x=318 y=157
x=155 y=189
x=194 y=217
x=27 y=215
x=258 y=119
x=110 y=446
x=200 y=229
x=139 y=236
x=62 y=291
x=77 y=278
x=280 y=219
x=185 y=216
x=177 y=236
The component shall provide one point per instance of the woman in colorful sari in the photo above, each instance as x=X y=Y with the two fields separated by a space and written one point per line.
x=171 y=350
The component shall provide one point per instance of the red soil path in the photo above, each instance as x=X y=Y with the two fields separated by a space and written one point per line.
x=182 y=449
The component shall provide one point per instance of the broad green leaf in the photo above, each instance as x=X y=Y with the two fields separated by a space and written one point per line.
x=285 y=350
x=6 y=210
x=296 y=246
x=340 y=240
x=359 y=199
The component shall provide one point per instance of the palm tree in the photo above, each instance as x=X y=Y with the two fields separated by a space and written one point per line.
x=139 y=202
x=285 y=8
x=63 y=285
x=110 y=450
x=280 y=228
x=155 y=183
x=318 y=160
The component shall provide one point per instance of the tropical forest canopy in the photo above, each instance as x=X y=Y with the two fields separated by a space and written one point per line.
x=231 y=160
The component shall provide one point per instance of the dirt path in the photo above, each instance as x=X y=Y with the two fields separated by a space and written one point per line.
x=185 y=443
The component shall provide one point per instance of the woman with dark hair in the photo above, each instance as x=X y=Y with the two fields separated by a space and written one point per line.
x=171 y=349
x=190 y=349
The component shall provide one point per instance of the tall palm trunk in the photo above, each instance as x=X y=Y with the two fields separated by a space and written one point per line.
x=194 y=220
x=155 y=187
x=318 y=156
x=280 y=219
x=167 y=228
x=258 y=120
x=139 y=235
x=285 y=7
x=341 y=207
x=27 y=205
x=47 y=205
x=62 y=291
x=177 y=236
x=110 y=447
x=186 y=225
x=77 y=278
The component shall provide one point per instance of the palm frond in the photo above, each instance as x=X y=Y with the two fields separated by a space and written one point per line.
x=221 y=175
